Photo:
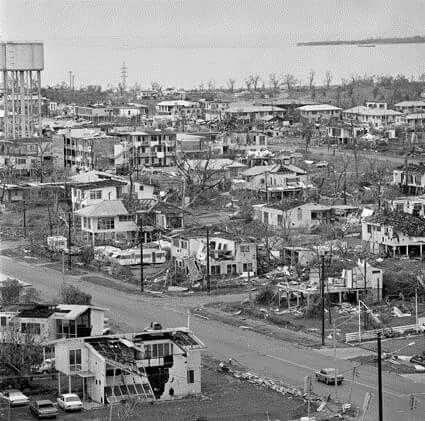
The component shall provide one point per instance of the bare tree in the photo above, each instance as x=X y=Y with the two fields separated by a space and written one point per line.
x=200 y=175
x=21 y=348
x=156 y=87
x=40 y=168
x=255 y=80
x=248 y=84
x=307 y=133
x=7 y=174
x=289 y=81
x=311 y=76
x=328 y=79
x=274 y=83
x=231 y=84
x=211 y=85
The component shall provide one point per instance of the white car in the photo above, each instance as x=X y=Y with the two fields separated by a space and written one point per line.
x=15 y=397
x=69 y=402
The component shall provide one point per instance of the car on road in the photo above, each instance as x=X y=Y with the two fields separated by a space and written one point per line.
x=15 y=397
x=327 y=376
x=44 y=409
x=69 y=402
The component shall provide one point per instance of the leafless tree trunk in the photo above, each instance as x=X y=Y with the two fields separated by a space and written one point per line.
x=328 y=79
x=274 y=83
x=311 y=76
x=231 y=84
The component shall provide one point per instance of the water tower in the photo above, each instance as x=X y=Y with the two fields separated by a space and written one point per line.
x=21 y=64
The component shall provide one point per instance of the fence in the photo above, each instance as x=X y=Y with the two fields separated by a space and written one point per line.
x=371 y=334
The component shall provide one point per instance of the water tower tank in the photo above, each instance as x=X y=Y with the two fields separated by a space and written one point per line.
x=21 y=56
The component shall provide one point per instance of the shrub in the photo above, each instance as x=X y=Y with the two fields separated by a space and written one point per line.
x=123 y=273
x=265 y=296
x=396 y=283
x=87 y=255
x=70 y=294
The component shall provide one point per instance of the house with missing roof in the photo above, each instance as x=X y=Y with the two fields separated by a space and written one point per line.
x=49 y=322
x=149 y=366
x=394 y=234
x=230 y=255
x=301 y=216
x=413 y=205
x=94 y=187
x=275 y=181
x=249 y=113
x=410 y=178
x=107 y=221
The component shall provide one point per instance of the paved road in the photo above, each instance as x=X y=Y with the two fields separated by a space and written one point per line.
x=263 y=355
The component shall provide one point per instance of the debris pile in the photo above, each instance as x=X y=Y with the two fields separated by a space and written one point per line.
x=278 y=386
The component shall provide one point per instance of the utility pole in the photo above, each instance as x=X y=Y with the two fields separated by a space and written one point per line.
x=380 y=405
x=183 y=198
x=352 y=382
x=267 y=187
x=69 y=240
x=142 y=281
x=322 y=287
x=208 y=261
x=416 y=309
x=365 y=291
x=24 y=218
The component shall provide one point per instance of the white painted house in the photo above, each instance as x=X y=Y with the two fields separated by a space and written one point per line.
x=376 y=117
x=316 y=112
x=148 y=366
x=394 y=234
x=49 y=322
x=107 y=221
x=410 y=107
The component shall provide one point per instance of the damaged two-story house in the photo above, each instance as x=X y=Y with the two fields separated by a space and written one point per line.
x=394 y=234
x=410 y=178
x=229 y=255
x=49 y=322
x=300 y=215
x=148 y=366
x=276 y=181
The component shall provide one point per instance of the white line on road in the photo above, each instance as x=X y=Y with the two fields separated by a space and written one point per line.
x=397 y=395
x=290 y=362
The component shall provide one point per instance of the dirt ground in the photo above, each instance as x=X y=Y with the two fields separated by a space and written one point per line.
x=224 y=398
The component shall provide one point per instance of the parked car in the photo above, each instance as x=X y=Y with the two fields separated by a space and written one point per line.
x=15 y=397
x=69 y=402
x=327 y=376
x=44 y=409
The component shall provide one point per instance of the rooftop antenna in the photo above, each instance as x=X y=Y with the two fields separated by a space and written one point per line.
x=124 y=76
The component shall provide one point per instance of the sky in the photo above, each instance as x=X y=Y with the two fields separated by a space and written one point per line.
x=185 y=42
